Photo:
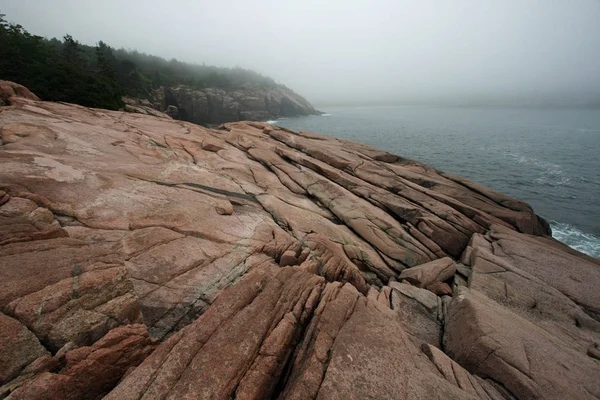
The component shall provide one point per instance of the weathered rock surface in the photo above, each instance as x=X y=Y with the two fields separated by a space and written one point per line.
x=143 y=106
x=254 y=262
x=297 y=337
x=19 y=347
x=10 y=90
x=419 y=310
x=85 y=372
x=430 y=273
x=491 y=341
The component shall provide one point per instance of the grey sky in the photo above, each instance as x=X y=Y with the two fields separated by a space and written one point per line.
x=356 y=51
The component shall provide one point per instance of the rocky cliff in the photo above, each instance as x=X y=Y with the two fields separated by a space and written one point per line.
x=147 y=258
x=214 y=106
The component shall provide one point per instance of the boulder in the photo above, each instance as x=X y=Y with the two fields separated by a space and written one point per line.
x=430 y=273
x=143 y=106
x=419 y=310
x=288 y=258
x=490 y=341
x=213 y=145
x=10 y=90
x=440 y=289
x=539 y=279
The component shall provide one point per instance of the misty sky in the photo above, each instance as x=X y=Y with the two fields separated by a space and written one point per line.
x=354 y=51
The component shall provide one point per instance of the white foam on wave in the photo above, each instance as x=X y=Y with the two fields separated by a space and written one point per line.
x=588 y=130
x=549 y=173
x=325 y=115
x=271 y=122
x=581 y=241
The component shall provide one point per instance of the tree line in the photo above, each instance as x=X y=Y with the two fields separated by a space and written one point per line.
x=98 y=76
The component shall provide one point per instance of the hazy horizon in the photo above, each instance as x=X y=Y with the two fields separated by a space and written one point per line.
x=359 y=52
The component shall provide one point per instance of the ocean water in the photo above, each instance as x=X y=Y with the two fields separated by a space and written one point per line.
x=549 y=158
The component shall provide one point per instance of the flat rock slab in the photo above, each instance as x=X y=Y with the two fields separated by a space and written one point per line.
x=491 y=341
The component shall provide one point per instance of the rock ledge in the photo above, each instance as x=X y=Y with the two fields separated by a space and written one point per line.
x=144 y=257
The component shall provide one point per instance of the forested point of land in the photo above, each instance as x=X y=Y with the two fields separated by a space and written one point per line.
x=99 y=76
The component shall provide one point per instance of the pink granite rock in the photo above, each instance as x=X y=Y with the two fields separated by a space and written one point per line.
x=122 y=233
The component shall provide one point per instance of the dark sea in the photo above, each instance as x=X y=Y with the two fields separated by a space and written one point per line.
x=549 y=158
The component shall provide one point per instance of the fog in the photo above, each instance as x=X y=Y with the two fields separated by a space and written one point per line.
x=358 y=52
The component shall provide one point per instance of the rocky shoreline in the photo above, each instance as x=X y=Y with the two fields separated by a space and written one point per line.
x=148 y=258
x=213 y=106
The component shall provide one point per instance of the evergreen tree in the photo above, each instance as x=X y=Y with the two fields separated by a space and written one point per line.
x=98 y=76
x=106 y=60
x=71 y=51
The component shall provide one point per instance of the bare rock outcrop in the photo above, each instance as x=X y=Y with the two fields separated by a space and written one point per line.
x=430 y=273
x=19 y=347
x=144 y=257
x=215 y=106
x=142 y=106
x=10 y=89
x=298 y=337
x=85 y=372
